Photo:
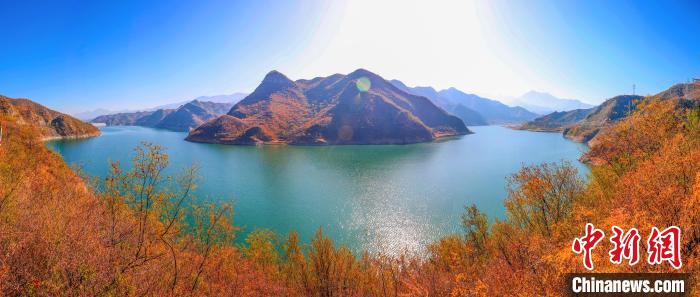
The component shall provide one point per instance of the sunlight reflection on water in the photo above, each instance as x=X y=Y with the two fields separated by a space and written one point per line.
x=383 y=199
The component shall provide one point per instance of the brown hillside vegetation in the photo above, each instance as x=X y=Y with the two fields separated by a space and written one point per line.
x=610 y=111
x=62 y=236
x=49 y=123
x=586 y=124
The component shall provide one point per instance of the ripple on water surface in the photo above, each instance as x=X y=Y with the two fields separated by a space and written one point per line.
x=384 y=199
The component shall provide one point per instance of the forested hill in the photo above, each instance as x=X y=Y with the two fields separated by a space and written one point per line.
x=50 y=124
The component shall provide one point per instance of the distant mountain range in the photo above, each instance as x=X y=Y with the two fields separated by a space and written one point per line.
x=189 y=115
x=358 y=108
x=51 y=124
x=230 y=98
x=472 y=109
x=585 y=124
x=556 y=121
x=544 y=103
x=91 y=114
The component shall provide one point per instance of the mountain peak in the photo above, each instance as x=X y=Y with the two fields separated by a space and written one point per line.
x=192 y=104
x=361 y=72
x=275 y=80
x=275 y=75
x=375 y=80
x=328 y=110
x=274 y=72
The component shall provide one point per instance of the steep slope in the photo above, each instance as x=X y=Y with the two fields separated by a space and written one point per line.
x=556 y=121
x=545 y=103
x=50 y=124
x=610 y=111
x=154 y=118
x=213 y=107
x=358 y=108
x=189 y=115
x=469 y=116
x=192 y=114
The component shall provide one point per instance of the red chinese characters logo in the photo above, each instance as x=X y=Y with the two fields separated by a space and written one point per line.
x=662 y=246
x=586 y=243
x=665 y=246
x=626 y=246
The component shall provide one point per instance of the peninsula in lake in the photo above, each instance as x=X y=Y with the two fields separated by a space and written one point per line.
x=357 y=108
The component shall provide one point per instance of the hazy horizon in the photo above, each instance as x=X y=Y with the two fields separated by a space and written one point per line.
x=130 y=55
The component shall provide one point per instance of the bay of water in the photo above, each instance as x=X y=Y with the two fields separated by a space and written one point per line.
x=380 y=198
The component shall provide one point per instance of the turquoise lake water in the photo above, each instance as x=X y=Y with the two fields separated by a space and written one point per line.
x=380 y=198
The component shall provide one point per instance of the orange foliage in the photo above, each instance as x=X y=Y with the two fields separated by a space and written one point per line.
x=140 y=233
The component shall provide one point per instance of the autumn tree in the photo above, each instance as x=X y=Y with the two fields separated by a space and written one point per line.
x=476 y=230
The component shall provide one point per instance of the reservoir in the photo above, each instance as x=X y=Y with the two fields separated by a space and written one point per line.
x=380 y=198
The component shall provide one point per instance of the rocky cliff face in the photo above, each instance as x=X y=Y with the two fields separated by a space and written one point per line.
x=358 y=108
x=50 y=124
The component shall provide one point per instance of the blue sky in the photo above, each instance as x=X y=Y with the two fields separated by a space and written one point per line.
x=81 y=55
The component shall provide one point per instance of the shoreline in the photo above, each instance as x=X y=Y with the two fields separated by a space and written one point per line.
x=440 y=138
x=69 y=137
